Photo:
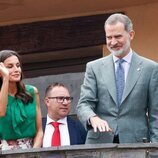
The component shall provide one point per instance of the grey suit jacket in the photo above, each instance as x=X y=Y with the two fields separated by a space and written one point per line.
x=140 y=98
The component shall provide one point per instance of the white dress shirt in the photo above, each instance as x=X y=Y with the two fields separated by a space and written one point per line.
x=126 y=64
x=49 y=129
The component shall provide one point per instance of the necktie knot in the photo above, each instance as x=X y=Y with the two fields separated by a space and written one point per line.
x=55 y=124
x=120 y=61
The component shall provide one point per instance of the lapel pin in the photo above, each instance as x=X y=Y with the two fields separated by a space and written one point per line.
x=138 y=69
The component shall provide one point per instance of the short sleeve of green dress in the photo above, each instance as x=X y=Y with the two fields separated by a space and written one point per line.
x=20 y=120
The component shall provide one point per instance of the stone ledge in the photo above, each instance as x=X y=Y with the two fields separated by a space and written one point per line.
x=139 y=150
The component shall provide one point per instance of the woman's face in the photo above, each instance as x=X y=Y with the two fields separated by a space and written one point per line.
x=12 y=63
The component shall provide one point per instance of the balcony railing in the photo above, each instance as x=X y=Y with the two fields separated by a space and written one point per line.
x=144 y=150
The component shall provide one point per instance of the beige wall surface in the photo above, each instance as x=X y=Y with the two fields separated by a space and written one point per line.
x=145 y=20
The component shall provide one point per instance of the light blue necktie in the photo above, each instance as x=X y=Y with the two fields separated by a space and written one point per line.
x=120 y=81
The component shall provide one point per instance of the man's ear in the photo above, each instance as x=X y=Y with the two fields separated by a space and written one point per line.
x=46 y=100
x=132 y=34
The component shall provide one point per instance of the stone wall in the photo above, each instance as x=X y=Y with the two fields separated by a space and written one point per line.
x=72 y=80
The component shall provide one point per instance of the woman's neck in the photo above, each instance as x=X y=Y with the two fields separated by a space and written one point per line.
x=12 y=89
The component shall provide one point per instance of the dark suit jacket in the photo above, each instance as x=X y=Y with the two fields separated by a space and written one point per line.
x=76 y=131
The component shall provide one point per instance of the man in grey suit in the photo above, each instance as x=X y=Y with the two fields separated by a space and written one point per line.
x=119 y=96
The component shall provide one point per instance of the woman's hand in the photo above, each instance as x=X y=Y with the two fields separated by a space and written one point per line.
x=3 y=71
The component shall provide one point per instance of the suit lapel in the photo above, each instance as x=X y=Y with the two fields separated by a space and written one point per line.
x=108 y=71
x=44 y=120
x=109 y=75
x=133 y=75
x=72 y=131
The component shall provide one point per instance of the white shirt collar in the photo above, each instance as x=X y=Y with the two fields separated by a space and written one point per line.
x=62 y=121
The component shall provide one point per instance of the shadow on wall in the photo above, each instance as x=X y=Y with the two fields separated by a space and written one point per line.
x=72 y=80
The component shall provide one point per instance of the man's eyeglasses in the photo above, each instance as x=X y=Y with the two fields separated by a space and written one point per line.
x=61 y=99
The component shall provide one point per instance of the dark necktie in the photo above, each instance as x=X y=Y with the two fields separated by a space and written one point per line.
x=56 y=135
x=120 y=81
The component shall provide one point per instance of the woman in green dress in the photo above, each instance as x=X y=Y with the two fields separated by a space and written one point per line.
x=20 y=113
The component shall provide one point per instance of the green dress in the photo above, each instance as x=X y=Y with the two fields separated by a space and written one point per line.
x=20 y=120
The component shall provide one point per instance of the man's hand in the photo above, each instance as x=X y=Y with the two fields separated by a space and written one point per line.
x=99 y=124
